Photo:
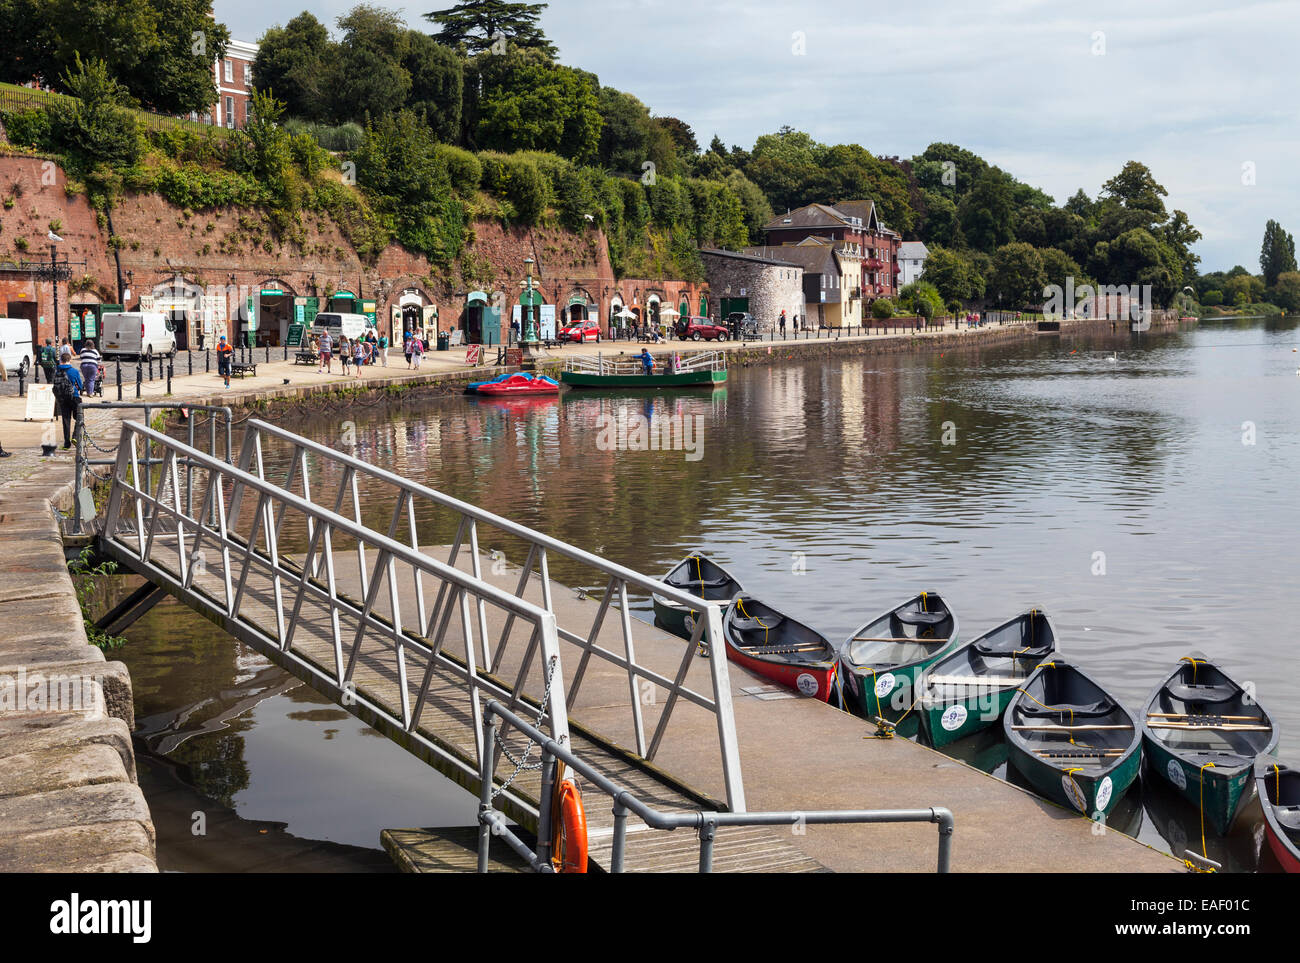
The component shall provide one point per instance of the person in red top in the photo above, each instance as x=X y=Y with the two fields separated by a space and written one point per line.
x=224 y=354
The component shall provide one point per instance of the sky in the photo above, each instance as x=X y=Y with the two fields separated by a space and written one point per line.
x=1058 y=93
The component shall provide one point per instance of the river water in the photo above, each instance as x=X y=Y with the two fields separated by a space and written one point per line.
x=1138 y=487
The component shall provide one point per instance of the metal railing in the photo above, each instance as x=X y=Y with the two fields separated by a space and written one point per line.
x=493 y=823
x=308 y=625
x=600 y=365
x=396 y=499
x=218 y=439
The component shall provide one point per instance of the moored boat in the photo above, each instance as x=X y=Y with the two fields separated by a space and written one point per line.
x=777 y=647
x=1073 y=742
x=699 y=575
x=699 y=368
x=969 y=689
x=473 y=387
x=1202 y=733
x=881 y=662
x=1279 y=797
x=520 y=383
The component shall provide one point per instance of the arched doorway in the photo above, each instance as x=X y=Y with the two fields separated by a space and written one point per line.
x=274 y=313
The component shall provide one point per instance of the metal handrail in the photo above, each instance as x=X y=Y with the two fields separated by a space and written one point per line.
x=620 y=580
x=695 y=361
x=706 y=823
x=290 y=585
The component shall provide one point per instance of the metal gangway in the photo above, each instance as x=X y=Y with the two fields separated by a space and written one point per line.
x=472 y=665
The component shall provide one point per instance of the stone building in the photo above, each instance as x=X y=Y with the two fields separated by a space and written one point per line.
x=763 y=286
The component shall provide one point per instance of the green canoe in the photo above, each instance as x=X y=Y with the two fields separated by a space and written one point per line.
x=699 y=575
x=624 y=371
x=969 y=690
x=1202 y=734
x=1073 y=742
x=581 y=379
x=881 y=662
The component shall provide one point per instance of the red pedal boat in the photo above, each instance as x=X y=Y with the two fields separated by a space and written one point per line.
x=520 y=384
x=777 y=647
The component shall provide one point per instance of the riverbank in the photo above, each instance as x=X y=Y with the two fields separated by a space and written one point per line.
x=70 y=800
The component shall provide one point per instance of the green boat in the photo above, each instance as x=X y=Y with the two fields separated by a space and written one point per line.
x=1202 y=734
x=881 y=662
x=1071 y=740
x=969 y=690
x=706 y=368
x=701 y=576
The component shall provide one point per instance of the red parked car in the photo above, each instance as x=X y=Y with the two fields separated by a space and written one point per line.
x=580 y=331
x=700 y=329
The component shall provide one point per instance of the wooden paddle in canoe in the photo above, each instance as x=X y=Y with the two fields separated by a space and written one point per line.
x=968 y=690
x=1052 y=720
x=1202 y=733
x=775 y=646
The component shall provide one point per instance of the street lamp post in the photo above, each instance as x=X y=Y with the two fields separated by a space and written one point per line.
x=530 y=331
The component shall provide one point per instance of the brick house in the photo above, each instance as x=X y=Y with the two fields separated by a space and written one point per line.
x=233 y=76
x=855 y=226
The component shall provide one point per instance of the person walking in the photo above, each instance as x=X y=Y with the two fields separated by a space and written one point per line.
x=417 y=350
x=782 y=322
x=89 y=363
x=362 y=354
x=345 y=354
x=383 y=350
x=67 y=394
x=326 y=354
x=407 y=338
x=48 y=360
x=225 y=354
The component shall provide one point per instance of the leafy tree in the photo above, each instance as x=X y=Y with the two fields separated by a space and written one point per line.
x=948 y=162
x=1286 y=291
x=94 y=127
x=1080 y=205
x=922 y=298
x=1277 y=253
x=146 y=46
x=986 y=212
x=756 y=211
x=1212 y=296
x=437 y=83
x=1136 y=190
x=1244 y=286
x=526 y=104
x=367 y=78
x=1059 y=266
x=951 y=273
x=939 y=224
x=681 y=134
x=882 y=309
x=629 y=138
x=1139 y=257
x=293 y=63
x=1018 y=277
x=476 y=26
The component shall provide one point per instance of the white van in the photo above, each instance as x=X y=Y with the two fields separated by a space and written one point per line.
x=340 y=325
x=16 y=346
x=140 y=334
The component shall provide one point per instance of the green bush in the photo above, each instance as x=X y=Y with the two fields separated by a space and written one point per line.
x=463 y=168
x=1212 y=297
x=882 y=309
x=29 y=128
x=344 y=137
x=518 y=181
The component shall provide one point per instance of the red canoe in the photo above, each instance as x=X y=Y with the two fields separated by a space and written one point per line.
x=777 y=647
x=520 y=384
x=1279 y=797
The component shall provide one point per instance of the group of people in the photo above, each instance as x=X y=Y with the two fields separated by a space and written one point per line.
x=366 y=349
x=413 y=347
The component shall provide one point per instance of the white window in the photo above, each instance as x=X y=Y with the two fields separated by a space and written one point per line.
x=230 y=72
x=230 y=111
x=248 y=76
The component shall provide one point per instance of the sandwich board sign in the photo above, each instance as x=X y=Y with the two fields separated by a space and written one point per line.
x=40 y=403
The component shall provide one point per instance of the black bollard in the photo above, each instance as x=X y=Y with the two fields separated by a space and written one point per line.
x=207 y=360
x=189 y=361
x=119 y=380
x=169 y=377
x=139 y=377
x=286 y=351
x=268 y=354
x=22 y=376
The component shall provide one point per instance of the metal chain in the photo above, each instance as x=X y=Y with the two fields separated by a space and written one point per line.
x=522 y=764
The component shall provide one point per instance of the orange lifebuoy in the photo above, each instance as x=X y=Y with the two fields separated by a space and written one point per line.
x=569 y=850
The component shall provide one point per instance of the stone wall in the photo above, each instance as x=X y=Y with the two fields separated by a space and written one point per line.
x=771 y=288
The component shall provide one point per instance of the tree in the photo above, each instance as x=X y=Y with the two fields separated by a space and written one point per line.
x=1286 y=291
x=292 y=63
x=1058 y=267
x=951 y=273
x=94 y=127
x=367 y=78
x=147 y=46
x=476 y=26
x=1277 y=253
x=437 y=84
x=1135 y=189
x=1018 y=277
x=986 y=212
x=529 y=104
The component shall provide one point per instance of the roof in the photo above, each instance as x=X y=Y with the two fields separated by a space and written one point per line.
x=812 y=215
x=913 y=250
x=742 y=256
x=864 y=210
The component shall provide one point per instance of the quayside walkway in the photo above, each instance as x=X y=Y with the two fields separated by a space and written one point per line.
x=421 y=641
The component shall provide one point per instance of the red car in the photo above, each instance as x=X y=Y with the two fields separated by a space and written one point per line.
x=580 y=331
x=700 y=329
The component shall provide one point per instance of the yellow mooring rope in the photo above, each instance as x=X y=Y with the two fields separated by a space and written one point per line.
x=1209 y=765
x=740 y=605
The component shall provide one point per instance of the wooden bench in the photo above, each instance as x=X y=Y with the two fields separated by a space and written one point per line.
x=306 y=357
x=239 y=369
